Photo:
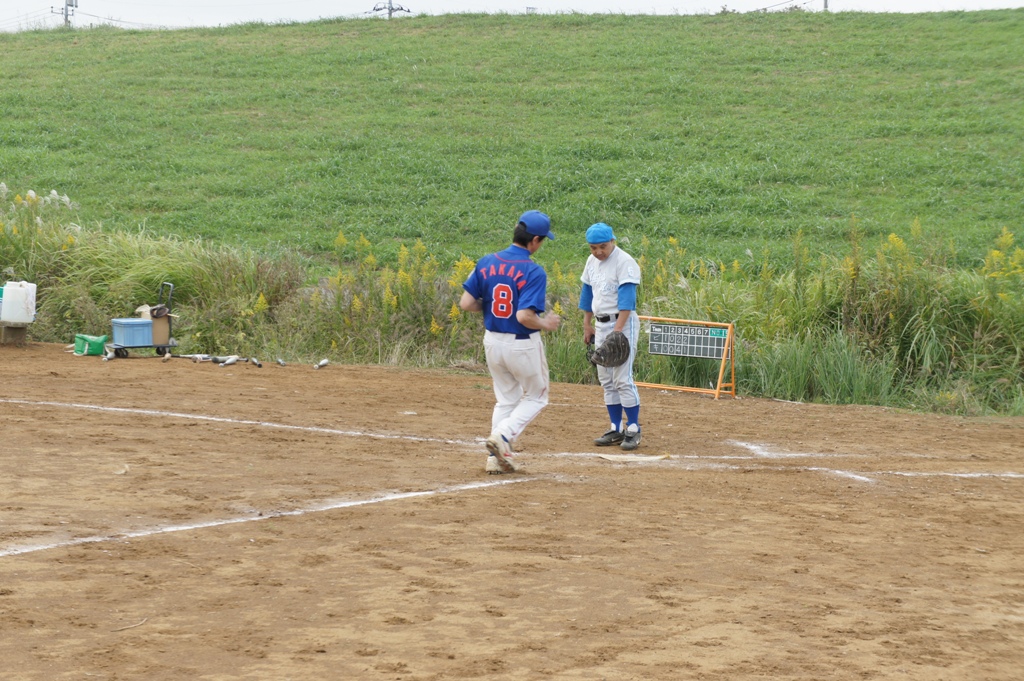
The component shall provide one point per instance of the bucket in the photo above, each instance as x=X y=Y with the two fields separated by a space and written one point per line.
x=19 y=304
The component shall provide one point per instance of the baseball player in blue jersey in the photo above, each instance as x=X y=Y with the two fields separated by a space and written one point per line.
x=510 y=290
x=608 y=300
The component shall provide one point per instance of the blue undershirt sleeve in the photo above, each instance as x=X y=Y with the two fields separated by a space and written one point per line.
x=587 y=298
x=627 y=297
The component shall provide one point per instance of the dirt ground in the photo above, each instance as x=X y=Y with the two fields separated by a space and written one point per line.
x=171 y=520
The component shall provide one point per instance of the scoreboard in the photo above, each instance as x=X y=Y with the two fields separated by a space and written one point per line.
x=682 y=340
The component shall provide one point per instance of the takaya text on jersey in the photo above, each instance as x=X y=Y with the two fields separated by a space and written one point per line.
x=507 y=281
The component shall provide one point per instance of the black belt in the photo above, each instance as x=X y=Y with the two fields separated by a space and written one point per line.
x=606 y=317
x=523 y=336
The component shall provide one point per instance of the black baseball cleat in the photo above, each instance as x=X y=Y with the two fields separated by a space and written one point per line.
x=631 y=440
x=612 y=437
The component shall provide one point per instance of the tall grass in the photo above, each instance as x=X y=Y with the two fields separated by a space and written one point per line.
x=888 y=324
x=898 y=326
x=86 y=276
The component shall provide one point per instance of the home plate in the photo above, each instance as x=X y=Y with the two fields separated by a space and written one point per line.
x=632 y=457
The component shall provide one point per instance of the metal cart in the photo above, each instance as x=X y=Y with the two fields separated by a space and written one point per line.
x=164 y=298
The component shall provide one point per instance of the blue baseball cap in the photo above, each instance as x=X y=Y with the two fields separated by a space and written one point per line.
x=537 y=223
x=599 y=233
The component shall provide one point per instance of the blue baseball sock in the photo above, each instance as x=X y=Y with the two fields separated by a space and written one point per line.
x=615 y=414
x=633 y=416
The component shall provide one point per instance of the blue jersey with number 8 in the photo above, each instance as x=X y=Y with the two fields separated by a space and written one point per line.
x=508 y=281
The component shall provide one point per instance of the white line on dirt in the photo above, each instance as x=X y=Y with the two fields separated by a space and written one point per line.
x=693 y=462
x=240 y=422
x=314 y=508
x=763 y=452
x=842 y=474
x=940 y=474
x=704 y=463
x=758 y=451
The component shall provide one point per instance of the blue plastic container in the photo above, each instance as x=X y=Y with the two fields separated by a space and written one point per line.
x=133 y=332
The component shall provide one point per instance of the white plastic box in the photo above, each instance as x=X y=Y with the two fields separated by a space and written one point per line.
x=19 y=302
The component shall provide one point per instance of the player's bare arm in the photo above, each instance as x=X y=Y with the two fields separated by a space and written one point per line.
x=470 y=304
x=531 y=320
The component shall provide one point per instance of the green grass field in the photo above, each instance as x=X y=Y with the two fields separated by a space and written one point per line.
x=727 y=132
x=846 y=188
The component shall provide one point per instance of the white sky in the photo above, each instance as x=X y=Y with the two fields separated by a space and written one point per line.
x=18 y=15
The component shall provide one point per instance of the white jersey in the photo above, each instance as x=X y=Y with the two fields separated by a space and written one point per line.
x=605 y=277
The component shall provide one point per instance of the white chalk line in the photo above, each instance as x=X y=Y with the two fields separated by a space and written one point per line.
x=928 y=474
x=315 y=508
x=763 y=452
x=716 y=463
x=240 y=422
x=758 y=451
x=694 y=462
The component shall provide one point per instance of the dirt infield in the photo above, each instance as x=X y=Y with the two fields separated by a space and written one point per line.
x=171 y=520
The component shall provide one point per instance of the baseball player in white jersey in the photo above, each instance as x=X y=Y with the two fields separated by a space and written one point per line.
x=608 y=300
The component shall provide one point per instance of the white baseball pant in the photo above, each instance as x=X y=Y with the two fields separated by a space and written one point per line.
x=519 y=371
x=617 y=382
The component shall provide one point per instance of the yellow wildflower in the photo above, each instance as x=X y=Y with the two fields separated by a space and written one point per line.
x=1004 y=242
x=461 y=272
x=915 y=229
x=555 y=273
x=994 y=263
x=850 y=268
x=428 y=271
x=419 y=250
x=896 y=245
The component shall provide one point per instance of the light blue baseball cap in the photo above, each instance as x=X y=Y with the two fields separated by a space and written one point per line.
x=600 y=233
x=537 y=223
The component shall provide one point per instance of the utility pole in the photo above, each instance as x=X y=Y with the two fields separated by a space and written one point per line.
x=389 y=6
x=68 y=11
